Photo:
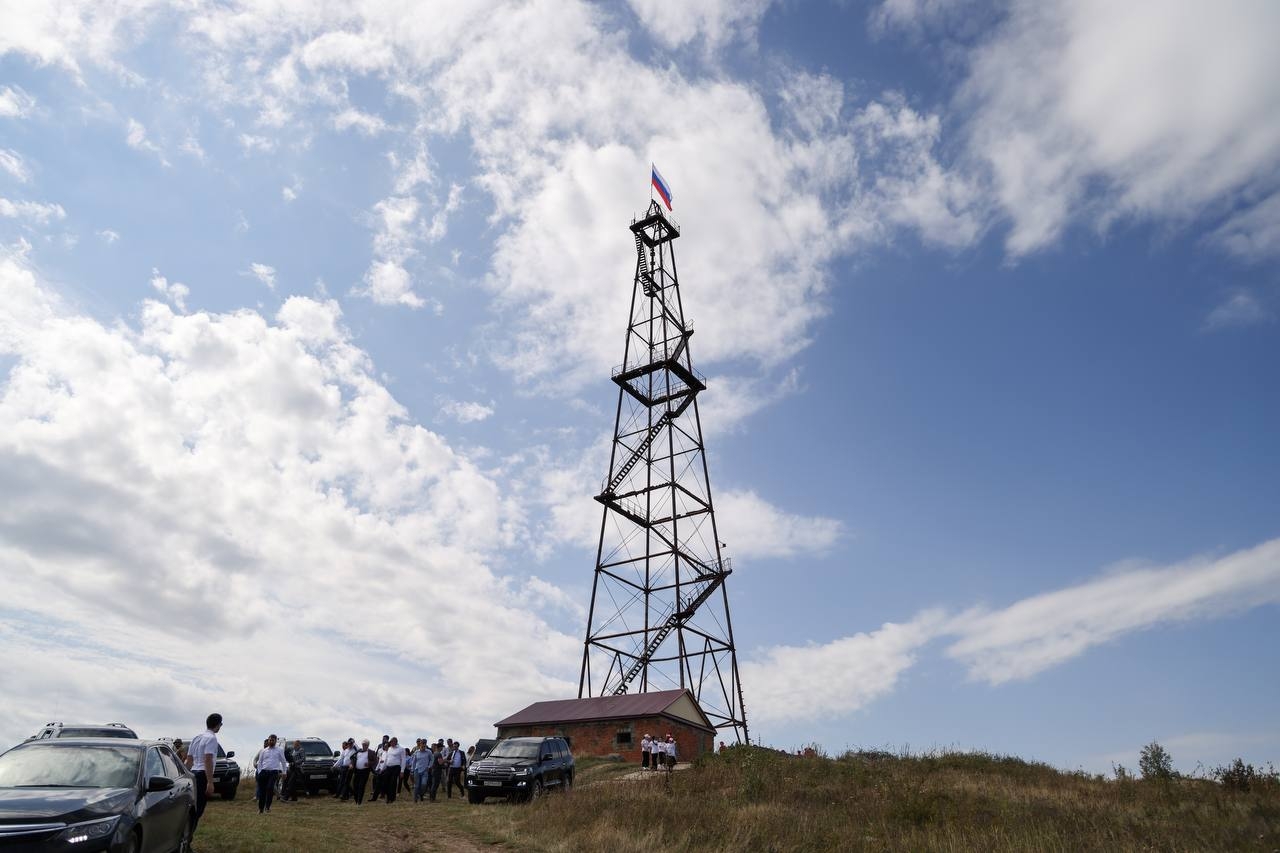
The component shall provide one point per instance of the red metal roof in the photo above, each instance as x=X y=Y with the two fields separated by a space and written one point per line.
x=601 y=708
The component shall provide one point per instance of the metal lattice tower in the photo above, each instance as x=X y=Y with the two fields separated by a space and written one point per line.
x=659 y=616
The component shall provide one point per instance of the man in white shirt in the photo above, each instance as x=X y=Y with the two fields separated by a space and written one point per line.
x=201 y=755
x=670 y=749
x=646 y=750
x=270 y=766
x=392 y=765
x=342 y=766
x=377 y=769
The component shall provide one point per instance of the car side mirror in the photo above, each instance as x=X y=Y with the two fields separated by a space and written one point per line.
x=336 y=753
x=548 y=757
x=231 y=754
x=159 y=783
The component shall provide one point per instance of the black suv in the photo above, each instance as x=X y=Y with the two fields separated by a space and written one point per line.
x=317 y=765
x=521 y=768
x=226 y=774
x=53 y=730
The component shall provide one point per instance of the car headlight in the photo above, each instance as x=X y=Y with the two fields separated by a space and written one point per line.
x=90 y=830
x=523 y=771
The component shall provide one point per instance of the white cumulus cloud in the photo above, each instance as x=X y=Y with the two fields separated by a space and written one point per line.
x=199 y=487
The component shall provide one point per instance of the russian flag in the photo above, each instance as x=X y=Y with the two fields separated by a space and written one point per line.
x=661 y=186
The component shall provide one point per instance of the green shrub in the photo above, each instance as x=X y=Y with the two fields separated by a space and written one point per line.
x=1155 y=762
x=1238 y=776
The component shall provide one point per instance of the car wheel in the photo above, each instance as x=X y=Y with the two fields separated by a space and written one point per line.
x=568 y=780
x=188 y=830
x=134 y=844
x=475 y=798
x=535 y=792
x=229 y=793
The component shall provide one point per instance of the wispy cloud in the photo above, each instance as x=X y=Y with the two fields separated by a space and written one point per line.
x=15 y=103
x=253 y=143
x=1085 y=112
x=108 y=236
x=263 y=273
x=466 y=412
x=816 y=681
x=1241 y=308
x=12 y=164
x=191 y=145
x=1020 y=640
x=40 y=213
x=138 y=140
x=175 y=292
x=753 y=527
x=1045 y=630
x=365 y=123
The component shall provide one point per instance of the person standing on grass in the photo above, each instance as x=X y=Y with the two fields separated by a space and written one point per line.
x=341 y=765
x=201 y=755
x=406 y=772
x=670 y=752
x=646 y=749
x=378 y=781
x=437 y=769
x=294 y=774
x=363 y=761
x=457 y=763
x=420 y=764
x=392 y=762
x=270 y=765
x=253 y=767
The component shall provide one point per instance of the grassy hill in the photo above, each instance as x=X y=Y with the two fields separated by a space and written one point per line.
x=758 y=800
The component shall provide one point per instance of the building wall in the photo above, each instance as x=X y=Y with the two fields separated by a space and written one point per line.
x=607 y=737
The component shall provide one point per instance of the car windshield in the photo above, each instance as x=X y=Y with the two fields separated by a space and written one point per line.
x=108 y=731
x=80 y=766
x=314 y=749
x=515 y=749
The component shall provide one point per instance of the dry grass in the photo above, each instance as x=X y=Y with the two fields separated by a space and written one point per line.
x=758 y=800
x=751 y=799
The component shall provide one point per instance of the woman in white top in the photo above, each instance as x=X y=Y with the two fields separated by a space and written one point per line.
x=646 y=749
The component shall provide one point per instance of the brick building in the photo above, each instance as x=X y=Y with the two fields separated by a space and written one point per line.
x=606 y=725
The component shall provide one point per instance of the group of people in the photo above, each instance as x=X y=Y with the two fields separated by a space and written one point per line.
x=655 y=754
x=392 y=767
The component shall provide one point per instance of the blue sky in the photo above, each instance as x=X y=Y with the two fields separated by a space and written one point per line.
x=309 y=304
